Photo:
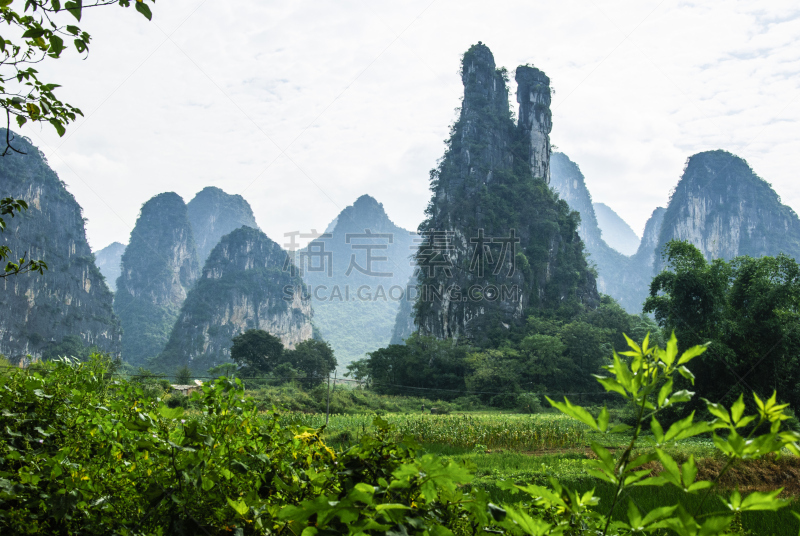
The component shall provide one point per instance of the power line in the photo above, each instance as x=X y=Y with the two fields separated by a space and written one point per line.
x=360 y=382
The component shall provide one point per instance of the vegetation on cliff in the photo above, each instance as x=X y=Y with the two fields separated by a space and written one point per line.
x=722 y=207
x=491 y=223
x=158 y=268
x=212 y=214
x=71 y=297
x=247 y=283
x=621 y=277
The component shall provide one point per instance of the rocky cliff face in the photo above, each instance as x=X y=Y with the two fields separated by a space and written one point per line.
x=404 y=320
x=568 y=181
x=213 y=214
x=721 y=206
x=535 y=119
x=71 y=298
x=356 y=303
x=158 y=268
x=247 y=283
x=625 y=279
x=498 y=241
x=616 y=231
x=646 y=254
x=109 y=260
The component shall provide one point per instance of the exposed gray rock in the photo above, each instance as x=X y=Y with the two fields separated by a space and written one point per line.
x=485 y=192
x=247 y=283
x=623 y=278
x=158 y=268
x=71 y=298
x=721 y=206
x=646 y=254
x=213 y=214
x=535 y=119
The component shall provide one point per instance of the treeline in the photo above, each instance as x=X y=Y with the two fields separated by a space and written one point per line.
x=747 y=310
x=546 y=355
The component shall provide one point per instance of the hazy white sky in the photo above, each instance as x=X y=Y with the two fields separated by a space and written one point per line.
x=301 y=107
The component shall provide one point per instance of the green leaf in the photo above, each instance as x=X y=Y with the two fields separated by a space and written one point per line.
x=623 y=373
x=664 y=392
x=58 y=126
x=763 y=501
x=658 y=431
x=33 y=33
x=691 y=353
x=686 y=373
x=391 y=506
x=672 y=350
x=75 y=7
x=171 y=413
x=602 y=419
x=657 y=513
x=576 y=412
x=143 y=8
x=611 y=385
x=240 y=506
x=718 y=411
x=529 y=525
x=737 y=409
x=714 y=526
x=56 y=46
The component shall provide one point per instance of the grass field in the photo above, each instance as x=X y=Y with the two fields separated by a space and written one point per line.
x=532 y=448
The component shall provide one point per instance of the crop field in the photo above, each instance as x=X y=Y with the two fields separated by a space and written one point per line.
x=482 y=432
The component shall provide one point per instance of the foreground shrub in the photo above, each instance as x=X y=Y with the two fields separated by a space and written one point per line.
x=81 y=453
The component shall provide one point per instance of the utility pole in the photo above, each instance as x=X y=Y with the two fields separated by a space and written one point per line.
x=328 y=407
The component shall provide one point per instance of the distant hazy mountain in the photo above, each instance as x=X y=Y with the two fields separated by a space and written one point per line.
x=364 y=250
x=158 y=268
x=616 y=232
x=70 y=299
x=213 y=214
x=721 y=206
x=619 y=276
x=247 y=283
x=108 y=260
x=646 y=254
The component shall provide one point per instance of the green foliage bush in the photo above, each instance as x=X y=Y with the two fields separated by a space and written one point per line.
x=546 y=355
x=259 y=353
x=747 y=308
x=81 y=453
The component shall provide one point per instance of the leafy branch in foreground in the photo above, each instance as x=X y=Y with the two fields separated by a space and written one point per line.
x=39 y=31
x=646 y=380
x=8 y=206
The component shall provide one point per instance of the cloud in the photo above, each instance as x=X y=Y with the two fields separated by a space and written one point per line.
x=304 y=107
